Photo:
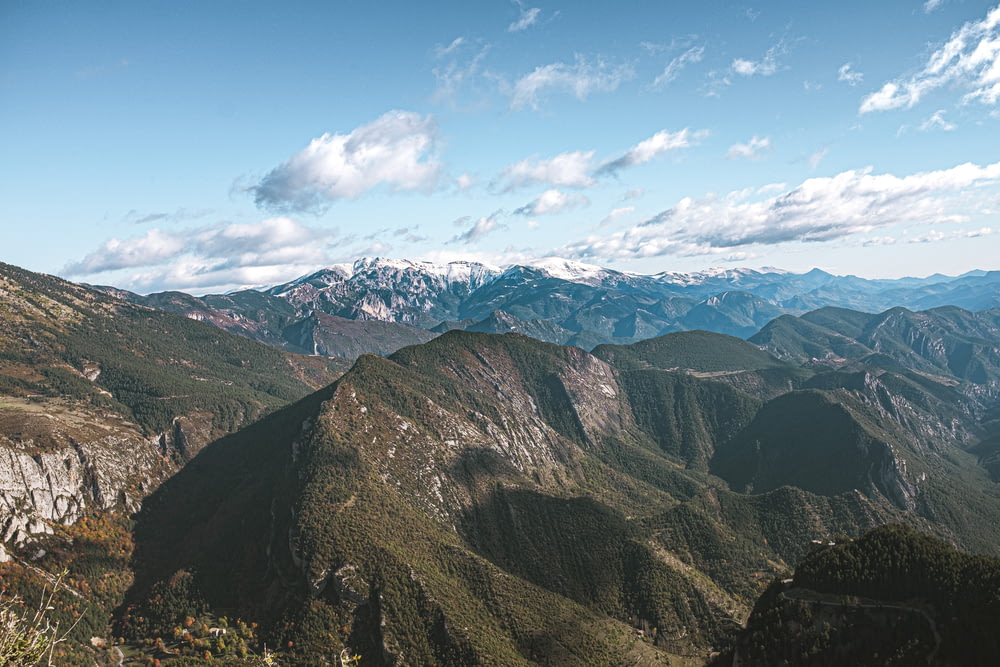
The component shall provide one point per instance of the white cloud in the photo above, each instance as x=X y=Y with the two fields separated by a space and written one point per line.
x=153 y=247
x=651 y=148
x=819 y=209
x=818 y=156
x=616 y=214
x=847 y=75
x=527 y=19
x=218 y=256
x=395 y=151
x=879 y=241
x=936 y=235
x=577 y=169
x=752 y=150
x=135 y=217
x=766 y=66
x=581 y=79
x=479 y=228
x=458 y=74
x=566 y=169
x=674 y=67
x=970 y=60
x=931 y=5
x=551 y=202
x=745 y=67
x=937 y=122
x=441 y=51
x=634 y=193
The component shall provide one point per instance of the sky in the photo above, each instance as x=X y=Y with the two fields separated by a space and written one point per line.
x=209 y=146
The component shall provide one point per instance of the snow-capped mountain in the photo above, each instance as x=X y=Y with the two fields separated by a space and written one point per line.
x=391 y=290
x=558 y=299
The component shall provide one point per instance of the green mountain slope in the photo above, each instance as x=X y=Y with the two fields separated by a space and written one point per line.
x=300 y=522
x=697 y=351
x=61 y=339
x=948 y=342
x=484 y=499
x=891 y=597
x=102 y=400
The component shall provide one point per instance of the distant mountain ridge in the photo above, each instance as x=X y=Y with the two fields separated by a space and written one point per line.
x=556 y=300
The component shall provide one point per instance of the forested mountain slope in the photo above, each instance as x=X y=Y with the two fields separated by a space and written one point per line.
x=100 y=401
x=432 y=504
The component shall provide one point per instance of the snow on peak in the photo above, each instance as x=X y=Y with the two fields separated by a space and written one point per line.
x=733 y=276
x=471 y=273
x=569 y=270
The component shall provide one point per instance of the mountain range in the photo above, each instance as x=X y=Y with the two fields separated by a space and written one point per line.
x=555 y=300
x=477 y=498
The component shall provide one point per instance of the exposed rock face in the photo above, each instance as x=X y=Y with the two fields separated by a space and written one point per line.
x=101 y=399
x=56 y=467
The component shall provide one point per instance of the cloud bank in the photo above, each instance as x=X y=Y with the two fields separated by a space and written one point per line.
x=212 y=256
x=819 y=209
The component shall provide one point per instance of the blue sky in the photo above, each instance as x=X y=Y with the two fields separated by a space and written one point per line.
x=205 y=146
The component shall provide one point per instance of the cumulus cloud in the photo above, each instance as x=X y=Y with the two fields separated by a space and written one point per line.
x=674 y=67
x=969 y=60
x=479 y=228
x=570 y=169
x=551 y=202
x=819 y=209
x=648 y=149
x=581 y=79
x=395 y=151
x=752 y=150
x=937 y=122
x=849 y=76
x=221 y=256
